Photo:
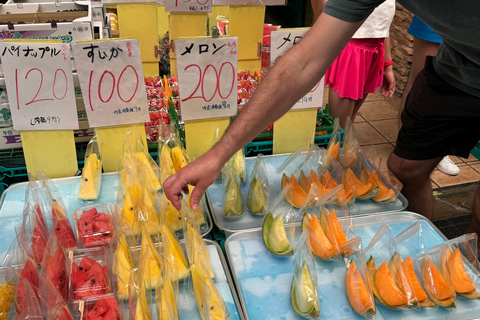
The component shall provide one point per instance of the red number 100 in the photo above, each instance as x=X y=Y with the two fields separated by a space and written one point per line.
x=107 y=73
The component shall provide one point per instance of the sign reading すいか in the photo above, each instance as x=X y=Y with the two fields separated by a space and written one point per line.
x=207 y=77
x=40 y=85
x=111 y=79
x=281 y=42
x=189 y=5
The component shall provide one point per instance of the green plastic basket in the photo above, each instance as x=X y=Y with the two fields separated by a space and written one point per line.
x=476 y=151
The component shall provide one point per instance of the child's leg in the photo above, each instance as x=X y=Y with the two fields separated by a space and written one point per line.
x=358 y=104
x=340 y=108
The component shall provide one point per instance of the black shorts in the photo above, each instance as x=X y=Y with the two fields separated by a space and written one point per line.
x=438 y=119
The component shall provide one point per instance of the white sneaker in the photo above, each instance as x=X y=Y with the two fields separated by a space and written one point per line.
x=448 y=167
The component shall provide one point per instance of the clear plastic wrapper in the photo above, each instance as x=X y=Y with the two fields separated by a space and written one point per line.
x=304 y=290
x=54 y=266
x=278 y=229
x=232 y=200
x=387 y=192
x=330 y=174
x=95 y=225
x=140 y=298
x=351 y=146
x=54 y=203
x=357 y=286
x=91 y=182
x=173 y=217
x=379 y=163
x=435 y=276
x=89 y=273
x=32 y=310
x=167 y=294
x=238 y=162
x=333 y=147
x=197 y=250
x=290 y=164
x=173 y=252
x=150 y=261
x=123 y=261
x=53 y=304
x=165 y=160
x=389 y=281
x=360 y=181
x=101 y=307
x=259 y=192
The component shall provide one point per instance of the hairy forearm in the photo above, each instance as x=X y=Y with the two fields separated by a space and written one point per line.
x=291 y=78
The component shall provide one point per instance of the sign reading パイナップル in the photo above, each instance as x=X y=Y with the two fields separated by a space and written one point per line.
x=111 y=79
x=281 y=42
x=40 y=85
x=207 y=77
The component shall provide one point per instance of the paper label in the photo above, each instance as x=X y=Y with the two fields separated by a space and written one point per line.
x=111 y=81
x=281 y=42
x=207 y=77
x=188 y=5
x=39 y=80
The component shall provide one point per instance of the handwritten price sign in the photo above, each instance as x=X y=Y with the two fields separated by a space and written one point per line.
x=207 y=77
x=281 y=42
x=188 y=5
x=40 y=85
x=111 y=79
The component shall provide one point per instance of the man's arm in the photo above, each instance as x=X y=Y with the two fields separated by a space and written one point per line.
x=317 y=6
x=301 y=67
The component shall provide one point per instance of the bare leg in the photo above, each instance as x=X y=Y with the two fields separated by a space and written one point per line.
x=415 y=176
x=421 y=49
x=474 y=225
x=358 y=105
x=340 y=108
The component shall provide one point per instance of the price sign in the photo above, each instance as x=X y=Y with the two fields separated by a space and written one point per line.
x=40 y=85
x=281 y=42
x=188 y=5
x=111 y=80
x=207 y=77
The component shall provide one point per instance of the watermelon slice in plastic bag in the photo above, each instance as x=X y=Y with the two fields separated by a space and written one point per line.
x=64 y=232
x=105 y=308
x=53 y=303
x=32 y=309
x=95 y=226
x=29 y=273
x=89 y=278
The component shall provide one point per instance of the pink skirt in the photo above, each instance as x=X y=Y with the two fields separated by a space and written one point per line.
x=358 y=69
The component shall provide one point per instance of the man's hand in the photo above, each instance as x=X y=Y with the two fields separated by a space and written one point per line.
x=200 y=173
x=388 y=88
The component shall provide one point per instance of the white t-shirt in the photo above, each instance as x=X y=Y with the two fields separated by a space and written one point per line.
x=378 y=23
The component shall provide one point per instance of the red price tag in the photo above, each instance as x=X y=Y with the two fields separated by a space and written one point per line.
x=207 y=77
x=111 y=79
x=40 y=84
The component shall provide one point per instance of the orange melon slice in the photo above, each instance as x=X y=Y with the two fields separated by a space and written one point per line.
x=437 y=289
x=384 y=194
x=334 y=150
x=304 y=182
x=417 y=288
x=388 y=289
x=462 y=283
x=351 y=182
x=401 y=280
x=314 y=178
x=328 y=180
x=319 y=243
x=358 y=296
x=371 y=272
x=285 y=180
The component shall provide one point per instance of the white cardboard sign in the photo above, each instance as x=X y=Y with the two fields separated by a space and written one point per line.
x=40 y=85
x=111 y=79
x=207 y=77
x=188 y=5
x=281 y=42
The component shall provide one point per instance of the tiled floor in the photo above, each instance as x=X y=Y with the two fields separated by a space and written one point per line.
x=376 y=125
x=453 y=227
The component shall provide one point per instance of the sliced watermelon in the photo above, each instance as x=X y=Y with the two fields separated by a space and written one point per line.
x=30 y=273
x=65 y=235
x=95 y=228
x=89 y=278
x=56 y=268
x=39 y=242
x=65 y=315
x=105 y=309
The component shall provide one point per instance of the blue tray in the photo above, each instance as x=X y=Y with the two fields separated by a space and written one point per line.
x=216 y=192
x=264 y=280
x=12 y=202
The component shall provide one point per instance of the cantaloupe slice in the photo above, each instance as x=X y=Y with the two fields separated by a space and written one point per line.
x=319 y=243
x=304 y=182
x=437 y=289
x=462 y=283
x=387 y=288
x=422 y=297
x=298 y=195
x=328 y=181
x=334 y=150
x=371 y=272
x=285 y=180
x=358 y=296
x=314 y=179
x=351 y=182
x=384 y=194
x=401 y=280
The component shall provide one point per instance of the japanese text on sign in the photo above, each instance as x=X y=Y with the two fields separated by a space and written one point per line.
x=40 y=82
x=111 y=81
x=188 y=5
x=281 y=42
x=207 y=77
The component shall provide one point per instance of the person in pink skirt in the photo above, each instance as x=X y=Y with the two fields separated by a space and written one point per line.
x=364 y=65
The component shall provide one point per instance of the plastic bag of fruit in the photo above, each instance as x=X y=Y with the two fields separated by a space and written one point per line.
x=390 y=283
x=52 y=302
x=232 y=199
x=54 y=266
x=32 y=309
x=140 y=298
x=333 y=147
x=106 y=306
x=95 y=225
x=259 y=191
x=330 y=176
x=54 y=203
x=351 y=146
x=357 y=284
x=304 y=289
x=91 y=182
x=150 y=260
x=361 y=179
x=124 y=260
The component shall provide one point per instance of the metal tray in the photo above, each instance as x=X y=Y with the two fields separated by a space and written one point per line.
x=263 y=279
x=12 y=202
x=216 y=192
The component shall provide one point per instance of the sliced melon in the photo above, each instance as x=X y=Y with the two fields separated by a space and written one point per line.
x=174 y=251
x=462 y=283
x=440 y=292
x=275 y=236
x=401 y=280
x=359 y=297
x=422 y=297
x=91 y=178
x=303 y=295
x=384 y=194
x=147 y=171
x=318 y=240
x=387 y=288
x=351 y=182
